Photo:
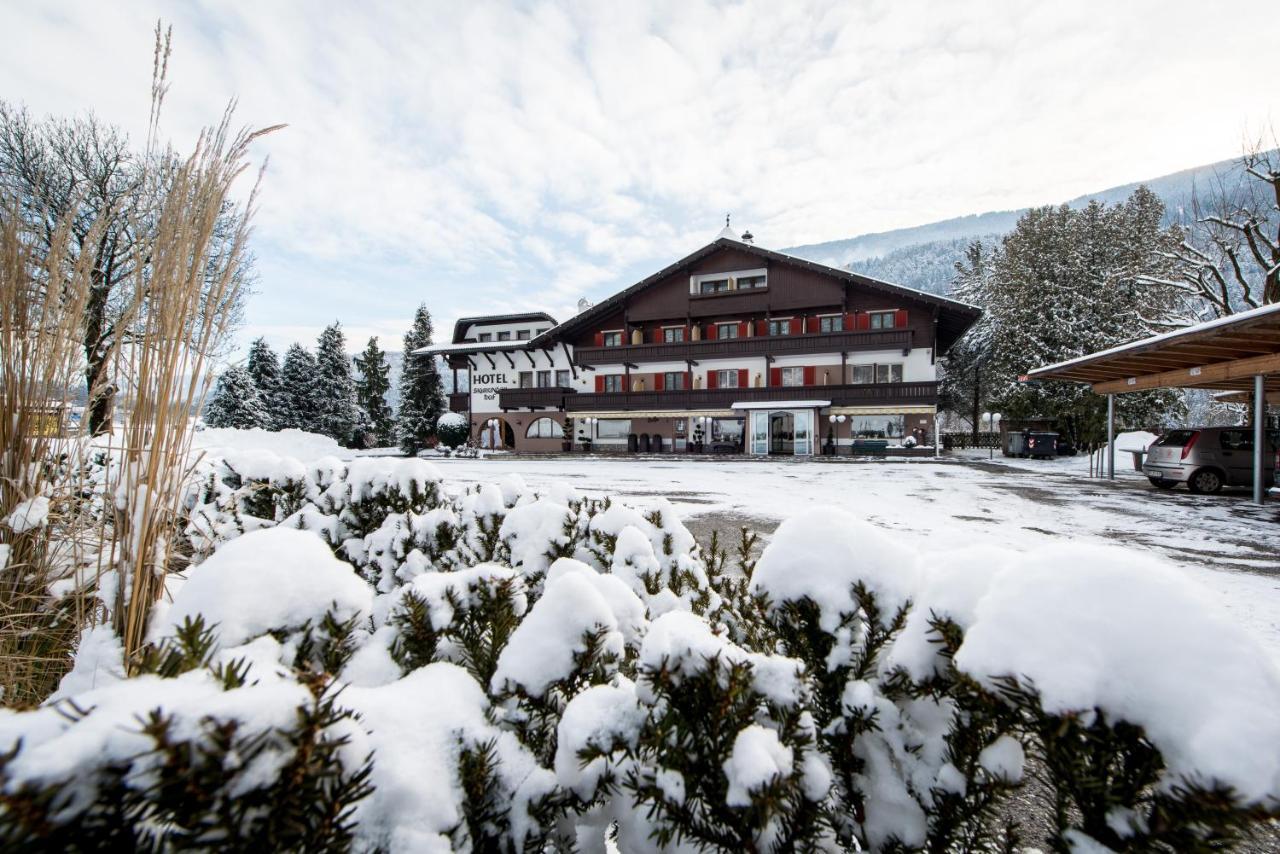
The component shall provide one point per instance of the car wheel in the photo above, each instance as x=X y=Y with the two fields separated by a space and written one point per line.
x=1206 y=481
x=1161 y=483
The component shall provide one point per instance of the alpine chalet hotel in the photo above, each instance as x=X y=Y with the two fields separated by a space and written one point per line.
x=733 y=349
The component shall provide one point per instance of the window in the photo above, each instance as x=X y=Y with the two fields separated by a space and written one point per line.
x=613 y=339
x=613 y=383
x=889 y=373
x=673 y=380
x=613 y=428
x=526 y=379
x=544 y=379
x=793 y=376
x=882 y=319
x=780 y=327
x=713 y=286
x=862 y=374
x=485 y=336
x=544 y=428
x=727 y=379
x=879 y=426
x=673 y=334
x=562 y=379
x=504 y=336
x=748 y=282
x=522 y=335
x=833 y=323
x=726 y=330
x=727 y=430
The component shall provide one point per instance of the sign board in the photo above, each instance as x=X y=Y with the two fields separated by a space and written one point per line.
x=485 y=386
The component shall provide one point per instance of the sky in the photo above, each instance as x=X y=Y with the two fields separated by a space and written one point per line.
x=495 y=157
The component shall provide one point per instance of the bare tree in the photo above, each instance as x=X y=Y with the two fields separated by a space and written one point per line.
x=1229 y=260
x=84 y=171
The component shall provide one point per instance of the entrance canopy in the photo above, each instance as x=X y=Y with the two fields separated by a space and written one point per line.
x=1237 y=353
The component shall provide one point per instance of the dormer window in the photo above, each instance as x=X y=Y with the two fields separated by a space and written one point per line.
x=504 y=336
x=522 y=335
x=484 y=336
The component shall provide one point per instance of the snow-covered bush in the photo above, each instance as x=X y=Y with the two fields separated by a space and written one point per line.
x=452 y=429
x=366 y=657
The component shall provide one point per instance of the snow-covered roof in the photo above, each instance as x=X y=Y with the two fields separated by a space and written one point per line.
x=470 y=347
x=780 y=404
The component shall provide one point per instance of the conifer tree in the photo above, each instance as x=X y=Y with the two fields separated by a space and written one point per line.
x=298 y=390
x=371 y=393
x=337 y=414
x=236 y=403
x=264 y=368
x=421 y=391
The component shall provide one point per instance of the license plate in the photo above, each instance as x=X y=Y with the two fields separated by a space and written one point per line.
x=1154 y=473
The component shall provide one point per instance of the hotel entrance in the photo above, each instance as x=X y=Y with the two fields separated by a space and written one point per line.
x=782 y=432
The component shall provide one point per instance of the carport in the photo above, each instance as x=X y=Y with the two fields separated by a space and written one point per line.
x=1239 y=353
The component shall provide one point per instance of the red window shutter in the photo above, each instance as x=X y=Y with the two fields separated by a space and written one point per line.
x=815 y=325
x=742 y=329
x=743 y=380
x=712 y=376
x=864 y=320
x=775 y=377
x=809 y=372
x=599 y=339
x=599 y=383
x=688 y=380
x=657 y=382
x=687 y=335
x=711 y=332
x=796 y=328
x=762 y=327
x=900 y=318
x=848 y=321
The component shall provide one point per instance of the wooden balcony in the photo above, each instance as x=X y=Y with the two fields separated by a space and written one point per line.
x=460 y=401
x=760 y=345
x=534 y=398
x=876 y=394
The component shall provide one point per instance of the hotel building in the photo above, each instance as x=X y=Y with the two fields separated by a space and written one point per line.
x=734 y=348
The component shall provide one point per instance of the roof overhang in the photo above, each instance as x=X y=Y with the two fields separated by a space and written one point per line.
x=1223 y=354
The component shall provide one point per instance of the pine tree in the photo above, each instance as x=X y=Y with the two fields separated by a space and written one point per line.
x=298 y=392
x=421 y=391
x=236 y=403
x=264 y=368
x=337 y=414
x=371 y=393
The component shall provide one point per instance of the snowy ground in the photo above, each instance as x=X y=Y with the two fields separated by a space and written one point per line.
x=1224 y=541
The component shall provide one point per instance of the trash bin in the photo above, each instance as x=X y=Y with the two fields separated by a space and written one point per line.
x=633 y=442
x=1042 y=445
x=644 y=443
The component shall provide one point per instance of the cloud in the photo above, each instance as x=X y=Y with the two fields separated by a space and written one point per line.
x=492 y=156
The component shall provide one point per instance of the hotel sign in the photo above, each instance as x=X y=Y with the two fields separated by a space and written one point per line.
x=486 y=385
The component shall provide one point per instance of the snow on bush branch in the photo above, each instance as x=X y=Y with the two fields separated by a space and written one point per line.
x=365 y=658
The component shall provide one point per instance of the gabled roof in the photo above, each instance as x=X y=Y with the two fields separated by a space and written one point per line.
x=954 y=317
x=463 y=322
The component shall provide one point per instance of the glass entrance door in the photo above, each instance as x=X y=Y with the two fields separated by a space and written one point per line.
x=782 y=433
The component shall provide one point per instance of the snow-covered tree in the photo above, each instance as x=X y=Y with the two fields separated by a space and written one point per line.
x=264 y=368
x=337 y=414
x=297 y=398
x=236 y=402
x=421 y=391
x=1065 y=283
x=372 y=385
x=962 y=388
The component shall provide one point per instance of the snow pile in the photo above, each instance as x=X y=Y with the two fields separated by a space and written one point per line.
x=758 y=759
x=298 y=444
x=28 y=515
x=1138 y=440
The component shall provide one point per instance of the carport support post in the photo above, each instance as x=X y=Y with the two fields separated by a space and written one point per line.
x=1111 y=436
x=1259 y=435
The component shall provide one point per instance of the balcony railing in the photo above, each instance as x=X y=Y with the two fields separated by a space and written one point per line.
x=876 y=394
x=460 y=401
x=533 y=398
x=760 y=345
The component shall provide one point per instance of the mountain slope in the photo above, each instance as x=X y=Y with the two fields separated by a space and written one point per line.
x=923 y=256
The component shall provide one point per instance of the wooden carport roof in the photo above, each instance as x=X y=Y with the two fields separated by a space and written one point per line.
x=1224 y=354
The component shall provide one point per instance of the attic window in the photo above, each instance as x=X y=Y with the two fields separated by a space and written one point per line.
x=485 y=336
x=727 y=282
x=713 y=286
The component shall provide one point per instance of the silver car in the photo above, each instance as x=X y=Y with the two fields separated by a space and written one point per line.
x=1209 y=458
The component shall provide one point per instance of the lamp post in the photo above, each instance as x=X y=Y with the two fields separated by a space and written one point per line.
x=991 y=418
x=492 y=424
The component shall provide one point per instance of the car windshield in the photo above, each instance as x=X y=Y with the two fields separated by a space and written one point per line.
x=1177 y=438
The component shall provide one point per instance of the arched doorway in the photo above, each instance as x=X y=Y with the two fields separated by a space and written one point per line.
x=782 y=433
x=496 y=436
